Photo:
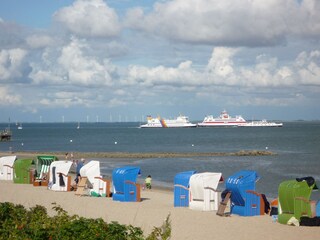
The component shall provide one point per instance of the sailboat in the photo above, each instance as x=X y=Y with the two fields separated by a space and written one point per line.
x=20 y=126
x=78 y=127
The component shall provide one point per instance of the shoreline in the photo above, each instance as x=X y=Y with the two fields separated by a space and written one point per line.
x=141 y=155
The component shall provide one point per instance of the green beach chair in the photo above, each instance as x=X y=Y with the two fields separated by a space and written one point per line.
x=21 y=170
x=42 y=168
x=294 y=200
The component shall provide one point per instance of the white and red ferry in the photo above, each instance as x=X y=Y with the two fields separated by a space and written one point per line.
x=224 y=120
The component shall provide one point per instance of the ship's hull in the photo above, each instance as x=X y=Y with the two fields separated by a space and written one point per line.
x=218 y=124
x=262 y=124
x=168 y=125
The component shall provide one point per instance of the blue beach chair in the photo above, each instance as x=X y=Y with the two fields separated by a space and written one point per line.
x=244 y=200
x=125 y=187
x=181 y=188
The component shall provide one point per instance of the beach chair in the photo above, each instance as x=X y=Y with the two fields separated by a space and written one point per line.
x=6 y=167
x=294 y=199
x=42 y=170
x=22 y=171
x=99 y=187
x=245 y=201
x=125 y=186
x=181 y=189
x=204 y=194
x=59 y=178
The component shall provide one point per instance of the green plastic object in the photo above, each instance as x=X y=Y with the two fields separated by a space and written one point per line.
x=294 y=199
x=22 y=171
x=95 y=194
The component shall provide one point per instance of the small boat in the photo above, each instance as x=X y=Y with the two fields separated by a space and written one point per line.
x=179 y=122
x=224 y=120
x=5 y=135
x=262 y=123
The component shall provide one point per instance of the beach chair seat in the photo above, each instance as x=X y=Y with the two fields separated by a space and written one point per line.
x=101 y=187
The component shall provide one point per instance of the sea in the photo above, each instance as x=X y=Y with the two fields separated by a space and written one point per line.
x=296 y=146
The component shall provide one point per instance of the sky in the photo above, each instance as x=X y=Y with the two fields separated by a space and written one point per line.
x=121 y=60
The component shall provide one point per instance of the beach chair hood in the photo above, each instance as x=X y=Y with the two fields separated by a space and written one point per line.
x=183 y=178
x=239 y=183
x=43 y=164
x=91 y=170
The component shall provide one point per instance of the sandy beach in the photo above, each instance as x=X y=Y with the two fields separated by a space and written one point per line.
x=152 y=211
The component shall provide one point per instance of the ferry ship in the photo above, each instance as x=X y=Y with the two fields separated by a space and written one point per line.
x=262 y=123
x=224 y=120
x=179 y=122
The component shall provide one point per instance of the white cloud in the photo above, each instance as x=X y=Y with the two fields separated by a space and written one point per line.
x=39 y=41
x=89 y=18
x=221 y=70
x=221 y=63
x=260 y=101
x=233 y=23
x=182 y=49
x=116 y=102
x=184 y=74
x=63 y=99
x=11 y=63
x=309 y=68
x=8 y=97
x=73 y=65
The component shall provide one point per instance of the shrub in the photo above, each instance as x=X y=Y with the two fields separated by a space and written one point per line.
x=16 y=222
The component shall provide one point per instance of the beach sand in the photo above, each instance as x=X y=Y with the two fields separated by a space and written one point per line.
x=153 y=210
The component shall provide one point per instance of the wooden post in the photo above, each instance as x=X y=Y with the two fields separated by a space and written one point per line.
x=138 y=186
x=69 y=184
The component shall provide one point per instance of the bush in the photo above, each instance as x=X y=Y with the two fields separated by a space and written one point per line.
x=16 y=222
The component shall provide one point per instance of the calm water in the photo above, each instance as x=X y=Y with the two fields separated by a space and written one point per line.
x=297 y=145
